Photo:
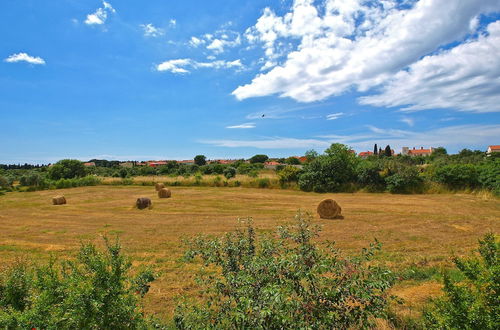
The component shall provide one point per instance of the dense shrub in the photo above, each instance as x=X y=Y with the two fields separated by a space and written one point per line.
x=230 y=172
x=66 y=169
x=259 y=159
x=96 y=291
x=284 y=283
x=79 y=182
x=368 y=174
x=329 y=172
x=5 y=182
x=406 y=180
x=457 y=176
x=289 y=174
x=489 y=175
x=263 y=183
x=473 y=303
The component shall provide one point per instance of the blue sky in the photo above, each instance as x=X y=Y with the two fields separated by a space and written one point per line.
x=173 y=79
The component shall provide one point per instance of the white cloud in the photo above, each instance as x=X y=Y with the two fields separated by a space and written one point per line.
x=100 y=15
x=195 y=42
x=464 y=78
x=246 y=125
x=355 y=43
x=172 y=22
x=23 y=57
x=407 y=120
x=334 y=116
x=151 y=31
x=452 y=137
x=182 y=65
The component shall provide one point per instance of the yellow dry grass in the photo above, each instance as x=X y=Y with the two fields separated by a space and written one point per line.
x=412 y=228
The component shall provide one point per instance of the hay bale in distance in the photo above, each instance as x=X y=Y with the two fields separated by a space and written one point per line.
x=58 y=200
x=159 y=186
x=329 y=209
x=143 y=202
x=164 y=193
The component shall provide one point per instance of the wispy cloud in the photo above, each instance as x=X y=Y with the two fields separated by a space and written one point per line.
x=334 y=116
x=407 y=120
x=100 y=15
x=172 y=22
x=23 y=57
x=151 y=31
x=246 y=125
x=450 y=137
x=183 y=65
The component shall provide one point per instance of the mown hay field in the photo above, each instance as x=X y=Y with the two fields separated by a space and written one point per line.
x=422 y=230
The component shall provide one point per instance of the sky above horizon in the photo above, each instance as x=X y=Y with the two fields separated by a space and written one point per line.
x=141 y=80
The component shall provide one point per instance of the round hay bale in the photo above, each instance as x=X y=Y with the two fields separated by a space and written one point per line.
x=58 y=200
x=143 y=202
x=164 y=193
x=329 y=209
x=159 y=186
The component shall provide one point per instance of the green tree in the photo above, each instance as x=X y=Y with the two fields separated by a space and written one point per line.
x=67 y=169
x=329 y=172
x=388 y=151
x=259 y=159
x=284 y=282
x=200 y=160
x=292 y=161
x=311 y=155
x=375 y=149
x=474 y=302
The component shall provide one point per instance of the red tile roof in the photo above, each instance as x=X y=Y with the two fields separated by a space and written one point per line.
x=365 y=154
x=495 y=147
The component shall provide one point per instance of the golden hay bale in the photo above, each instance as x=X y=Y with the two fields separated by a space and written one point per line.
x=58 y=200
x=329 y=209
x=143 y=202
x=159 y=186
x=164 y=193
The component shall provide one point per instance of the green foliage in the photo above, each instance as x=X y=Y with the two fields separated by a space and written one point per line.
x=230 y=172
x=66 y=169
x=368 y=174
x=77 y=182
x=200 y=160
x=311 y=155
x=473 y=303
x=457 y=176
x=95 y=291
x=329 y=172
x=5 y=182
x=259 y=159
x=292 y=161
x=284 y=282
x=263 y=183
x=289 y=174
x=489 y=175
x=405 y=180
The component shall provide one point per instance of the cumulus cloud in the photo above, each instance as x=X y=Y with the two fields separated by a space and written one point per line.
x=246 y=125
x=465 y=77
x=477 y=136
x=195 y=42
x=23 y=57
x=151 y=31
x=100 y=15
x=217 y=42
x=334 y=116
x=353 y=44
x=185 y=64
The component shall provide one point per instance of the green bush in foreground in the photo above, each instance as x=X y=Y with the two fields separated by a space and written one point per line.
x=95 y=291
x=284 y=282
x=475 y=302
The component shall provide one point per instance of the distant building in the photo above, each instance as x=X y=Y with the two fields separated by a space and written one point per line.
x=417 y=152
x=271 y=164
x=222 y=161
x=492 y=149
x=365 y=154
x=156 y=163
x=89 y=164
x=186 y=162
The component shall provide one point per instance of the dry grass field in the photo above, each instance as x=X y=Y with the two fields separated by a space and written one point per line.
x=414 y=229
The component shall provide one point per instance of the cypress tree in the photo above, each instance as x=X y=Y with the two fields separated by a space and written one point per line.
x=375 y=149
x=388 y=152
